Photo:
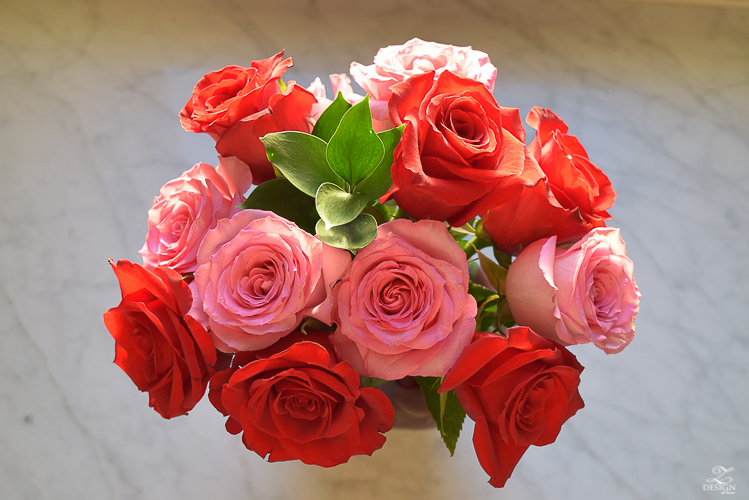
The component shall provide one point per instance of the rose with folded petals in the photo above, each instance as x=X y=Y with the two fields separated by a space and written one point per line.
x=224 y=97
x=584 y=293
x=461 y=154
x=165 y=352
x=395 y=63
x=287 y=111
x=258 y=275
x=571 y=201
x=341 y=83
x=403 y=308
x=236 y=106
x=187 y=207
x=519 y=390
x=295 y=400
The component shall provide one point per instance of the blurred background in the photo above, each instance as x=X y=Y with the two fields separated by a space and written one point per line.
x=90 y=91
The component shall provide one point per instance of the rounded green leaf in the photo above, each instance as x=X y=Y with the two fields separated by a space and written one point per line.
x=357 y=234
x=337 y=206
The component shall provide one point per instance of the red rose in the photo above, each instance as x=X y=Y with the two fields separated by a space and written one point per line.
x=222 y=98
x=293 y=400
x=461 y=154
x=568 y=204
x=165 y=352
x=519 y=390
x=236 y=106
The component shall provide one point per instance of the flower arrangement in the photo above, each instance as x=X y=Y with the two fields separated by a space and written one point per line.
x=361 y=256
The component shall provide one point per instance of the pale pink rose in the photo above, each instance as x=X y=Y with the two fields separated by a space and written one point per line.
x=188 y=207
x=258 y=276
x=403 y=308
x=584 y=293
x=341 y=83
x=395 y=63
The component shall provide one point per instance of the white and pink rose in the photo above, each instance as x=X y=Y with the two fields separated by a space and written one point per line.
x=396 y=63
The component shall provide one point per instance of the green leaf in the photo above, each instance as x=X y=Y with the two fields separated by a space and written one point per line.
x=301 y=158
x=504 y=315
x=358 y=233
x=379 y=212
x=480 y=292
x=496 y=274
x=355 y=150
x=336 y=206
x=446 y=410
x=328 y=122
x=282 y=198
x=380 y=180
x=371 y=381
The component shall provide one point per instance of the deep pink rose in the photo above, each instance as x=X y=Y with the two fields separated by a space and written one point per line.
x=584 y=293
x=403 y=308
x=187 y=207
x=341 y=83
x=258 y=275
x=395 y=63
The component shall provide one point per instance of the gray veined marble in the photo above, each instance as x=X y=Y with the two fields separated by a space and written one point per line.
x=658 y=93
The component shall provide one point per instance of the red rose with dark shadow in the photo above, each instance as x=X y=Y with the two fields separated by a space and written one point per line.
x=294 y=400
x=571 y=201
x=165 y=352
x=236 y=106
x=461 y=154
x=519 y=390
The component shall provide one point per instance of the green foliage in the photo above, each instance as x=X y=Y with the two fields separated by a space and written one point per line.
x=328 y=122
x=355 y=149
x=371 y=381
x=282 y=198
x=380 y=180
x=301 y=158
x=353 y=235
x=345 y=166
x=446 y=410
x=337 y=206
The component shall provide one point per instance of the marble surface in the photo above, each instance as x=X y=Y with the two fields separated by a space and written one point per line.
x=90 y=92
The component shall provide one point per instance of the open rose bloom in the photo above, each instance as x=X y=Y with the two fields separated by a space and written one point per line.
x=362 y=257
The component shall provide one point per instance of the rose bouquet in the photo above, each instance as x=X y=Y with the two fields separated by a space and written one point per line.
x=362 y=256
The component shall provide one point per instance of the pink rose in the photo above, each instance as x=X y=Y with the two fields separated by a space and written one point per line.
x=396 y=63
x=584 y=293
x=403 y=308
x=188 y=207
x=341 y=83
x=258 y=275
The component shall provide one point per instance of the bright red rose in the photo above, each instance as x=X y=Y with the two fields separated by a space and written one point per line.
x=461 y=154
x=294 y=400
x=519 y=390
x=236 y=106
x=571 y=201
x=165 y=352
x=222 y=98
